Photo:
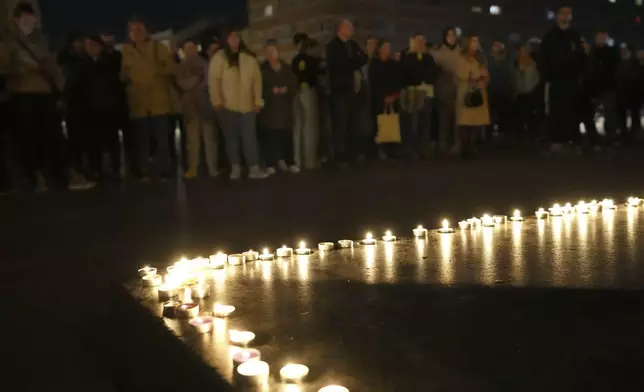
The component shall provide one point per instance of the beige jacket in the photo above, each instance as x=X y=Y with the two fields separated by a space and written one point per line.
x=446 y=59
x=24 y=75
x=468 y=71
x=149 y=74
x=236 y=88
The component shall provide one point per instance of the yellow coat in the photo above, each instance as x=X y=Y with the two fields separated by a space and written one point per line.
x=236 y=88
x=468 y=71
x=149 y=73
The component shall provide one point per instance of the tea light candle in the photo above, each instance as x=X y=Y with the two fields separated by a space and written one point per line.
x=240 y=337
x=189 y=310
x=202 y=324
x=345 y=244
x=145 y=271
x=152 y=280
x=474 y=222
x=199 y=291
x=445 y=229
x=633 y=201
x=236 y=259
x=608 y=204
x=333 y=388
x=326 y=246
x=303 y=250
x=567 y=209
x=516 y=216
x=218 y=261
x=169 y=308
x=293 y=373
x=253 y=373
x=266 y=255
x=464 y=224
x=420 y=231
x=284 y=251
x=166 y=291
x=369 y=240
x=556 y=210
x=245 y=355
x=593 y=206
x=541 y=213
x=581 y=207
x=488 y=221
x=221 y=310
x=389 y=237
x=498 y=219
x=251 y=255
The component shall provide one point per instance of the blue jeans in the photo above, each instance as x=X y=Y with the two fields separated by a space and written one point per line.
x=146 y=129
x=236 y=126
x=416 y=128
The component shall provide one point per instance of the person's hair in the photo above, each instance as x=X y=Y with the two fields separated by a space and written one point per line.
x=270 y=42
x=417 y=34
x=23 y=7
x=466 y=41
x=232 y=57
x=381 y=43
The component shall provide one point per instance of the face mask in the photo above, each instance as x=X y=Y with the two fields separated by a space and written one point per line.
x=27 y=26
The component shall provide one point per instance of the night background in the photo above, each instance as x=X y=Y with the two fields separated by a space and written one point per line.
x=63 y=17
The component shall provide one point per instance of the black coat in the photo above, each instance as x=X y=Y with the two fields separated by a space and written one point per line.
x=562 y=56
x=343 y=60
x=385 y=79
x=417 y=70
x=605 y=61
x=99 y=85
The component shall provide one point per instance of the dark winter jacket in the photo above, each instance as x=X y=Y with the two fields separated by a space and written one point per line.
x=418 y=68
x=98 y=85
x=277 y=113
x=605 y=60
x=344 y=59
x=306 y=69
x=562 y=56
x=385 y=79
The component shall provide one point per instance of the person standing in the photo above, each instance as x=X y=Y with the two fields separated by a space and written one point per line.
x=605 y=60
x=563 y=57
x=34 y=82
x=526 y=80
x=471 y=117
x=344 y=62
x=5 y=114
x=420 y=73
x=629 y=83
x=501 y=90
x=307 y=118
x=197 y=112
x=276 y=118
x=235 y=85
x=446 y=87
x=148 y=69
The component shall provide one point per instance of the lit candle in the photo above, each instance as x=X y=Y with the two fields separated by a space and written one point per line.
x=169 y=308
x=445 y=229
x=498 y=219
x=146 y=271
x=152 y=280
x=368 y=240
x=345 y=244
x=581 y=207
x=240 y=337
x=251 y=255
x=293 y=373
x=487 y=221
x=166 y=291
x=333 y=388
x=284 y=251
x=556 y=210
x=302 y=250
x=608 y=204
x=253 y=373
x=221 y=310
x=634 y=201
x=567 y=209
x=516 y=216
x=464 y=224
x=202 y=324
x=189 y=310
x=420 y=231
x=266 y=256
x=218 y=261
x=236 y=259
x=245 y=355
x=388 y=237
x=541 y=213
x=474 y=222
x=326 y=246
x=199 y=291
x=593 y=206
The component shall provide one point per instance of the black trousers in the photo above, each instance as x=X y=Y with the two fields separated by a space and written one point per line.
x=78 y=137
x=526 y=114
x=5 y=126
x=38 y=135
x=347 y=130
x=277 y=145
x=102 y=126
x=563 y=115
x=502 y=116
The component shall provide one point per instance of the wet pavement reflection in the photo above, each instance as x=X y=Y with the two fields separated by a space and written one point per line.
x=479 y=308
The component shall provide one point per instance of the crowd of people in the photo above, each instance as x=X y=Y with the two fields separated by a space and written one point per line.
x=63 y=114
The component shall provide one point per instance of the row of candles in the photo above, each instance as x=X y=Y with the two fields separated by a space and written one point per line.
x=186 y=277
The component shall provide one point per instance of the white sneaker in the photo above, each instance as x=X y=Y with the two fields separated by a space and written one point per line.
x=294 y=169
x=235 y=172
x=255 y=173
x=41 y=184
x=283 y=166
x=271 y=171
x=79 y=183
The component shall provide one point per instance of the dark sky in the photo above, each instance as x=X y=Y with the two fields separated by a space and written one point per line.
x=61 y=17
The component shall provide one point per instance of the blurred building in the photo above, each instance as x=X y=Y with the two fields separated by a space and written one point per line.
x=508 y=20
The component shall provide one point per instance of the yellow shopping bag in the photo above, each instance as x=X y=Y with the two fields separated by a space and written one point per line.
x=388 y=126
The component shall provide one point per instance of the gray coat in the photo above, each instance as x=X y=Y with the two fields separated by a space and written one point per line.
x=192 y=82
x=278 y=108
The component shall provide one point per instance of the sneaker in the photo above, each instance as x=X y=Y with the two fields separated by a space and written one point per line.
x=190 y=174
x=41 y=184
x=294 y=169
x=283 y=166
x=235 y=172
x=271 y=171
x=255 y=173
x=79 y=183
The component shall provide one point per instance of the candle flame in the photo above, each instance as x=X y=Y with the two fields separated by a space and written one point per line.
x=517 y=214
x=420 y=227
x=369 y=236
x=445 y=224
x=302 y=245
x=265 y=251
x=388 y=233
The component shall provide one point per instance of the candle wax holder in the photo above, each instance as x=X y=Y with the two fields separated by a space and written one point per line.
x=293 y=373
x=326 y=246
x=499 y=219
x=333 y=388
x=446 y=230
x=245 y=355
x=344 y=244
x=252 y=374
x=266 y=257
x=169 y=307
x=240 y=337
x=420 y=232
x=220 y=310
x=284 y=252
x=166 y=292
x=202 y=324
x=389 y=238
x=303 y=251
x=145 y=271
x=463 y=225
x=236 y=259
x=251 y=255
x=218 y=261
x=199 y=291
x=189 y=310
x=152 y=280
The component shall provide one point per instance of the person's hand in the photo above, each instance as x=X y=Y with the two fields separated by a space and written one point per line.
x=484 y=73
x=480 y=84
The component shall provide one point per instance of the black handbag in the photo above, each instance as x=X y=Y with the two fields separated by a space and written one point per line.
x=474 y=96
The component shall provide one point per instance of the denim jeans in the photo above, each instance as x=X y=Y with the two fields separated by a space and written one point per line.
x=306 y=133
x=146 y=129
x=236 y=126
x=416 y=128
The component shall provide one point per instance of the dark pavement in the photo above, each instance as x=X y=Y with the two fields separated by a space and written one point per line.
x=547 y=307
